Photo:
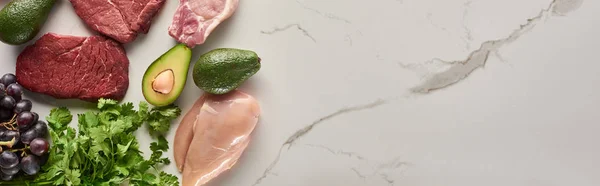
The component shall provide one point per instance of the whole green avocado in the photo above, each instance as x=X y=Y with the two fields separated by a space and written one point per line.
x=21 y=20
x=222 y=70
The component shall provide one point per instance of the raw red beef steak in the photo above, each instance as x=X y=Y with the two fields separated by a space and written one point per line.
x=64 y=67
x=121 y=20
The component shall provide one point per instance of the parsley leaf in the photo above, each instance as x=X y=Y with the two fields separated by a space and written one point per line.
x=104 y=103
x=105 y=150
x=59 y=118
x=168 y=179
x=160 y=145
x=158 y=148
x=159 y=118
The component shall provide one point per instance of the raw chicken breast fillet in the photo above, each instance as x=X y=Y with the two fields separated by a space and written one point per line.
x=213 y=135
x=196 y=19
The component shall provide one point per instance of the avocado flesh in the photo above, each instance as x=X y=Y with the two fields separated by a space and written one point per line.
x=177 y=59
x=222 y=70
x=21 y=20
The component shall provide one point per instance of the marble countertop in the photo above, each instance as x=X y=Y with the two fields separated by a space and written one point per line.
x=400 y=92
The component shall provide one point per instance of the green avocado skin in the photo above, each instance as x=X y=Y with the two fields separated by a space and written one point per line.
x=222 y=70
x=21 y=20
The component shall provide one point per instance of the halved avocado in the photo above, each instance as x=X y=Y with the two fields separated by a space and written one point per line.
x=165 y=78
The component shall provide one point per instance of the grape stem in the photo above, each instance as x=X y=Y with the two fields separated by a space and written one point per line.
x=10 y=124
x=21 y=149
x=8 y=143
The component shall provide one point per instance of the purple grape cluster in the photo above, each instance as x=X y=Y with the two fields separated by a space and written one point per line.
x=23 y=144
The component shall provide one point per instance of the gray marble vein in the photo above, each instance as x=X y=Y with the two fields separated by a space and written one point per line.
x=360 y=175
x=300 y=133
x=468 y=36
x=377 y=170
x=324 y=14
x=387 y=179
x=477 y=59
x=563 y=7
x=287 y=27
x=339 y=152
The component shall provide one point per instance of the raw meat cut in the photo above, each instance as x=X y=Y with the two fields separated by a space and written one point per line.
x=185 y=133
x=121 y=20
x=196 y=19
x=213 y=135
x=64 y=67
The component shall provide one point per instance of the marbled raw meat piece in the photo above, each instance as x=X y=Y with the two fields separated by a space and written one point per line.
x=196 y=19
x=121 y=20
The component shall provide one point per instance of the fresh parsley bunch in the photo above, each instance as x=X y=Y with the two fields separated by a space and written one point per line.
x=104 y=150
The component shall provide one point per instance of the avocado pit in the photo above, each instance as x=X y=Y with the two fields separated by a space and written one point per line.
x=165 y=78
x=163 y=82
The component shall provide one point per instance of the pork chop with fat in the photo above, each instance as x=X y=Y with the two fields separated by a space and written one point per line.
x=196 y=19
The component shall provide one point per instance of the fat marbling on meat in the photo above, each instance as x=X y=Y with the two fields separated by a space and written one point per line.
x=121 y=20
x=196 y=19
x=213 y=135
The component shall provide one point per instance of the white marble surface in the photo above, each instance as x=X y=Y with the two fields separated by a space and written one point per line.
x=395 y=92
